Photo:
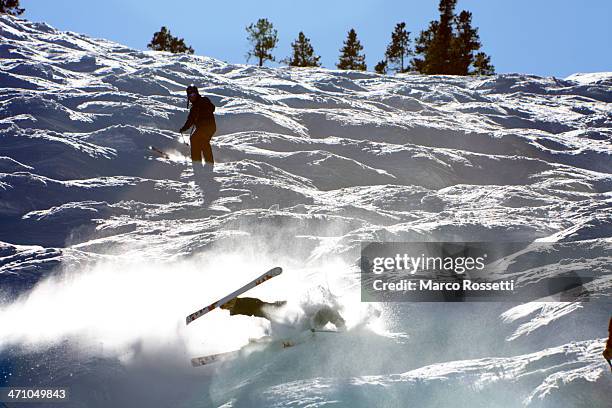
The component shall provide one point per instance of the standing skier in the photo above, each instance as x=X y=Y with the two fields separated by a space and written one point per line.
x=608 y=351
x=201 y=115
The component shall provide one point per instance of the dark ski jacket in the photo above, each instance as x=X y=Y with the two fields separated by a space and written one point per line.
x=201 y=114
x=609 y=343
x=249 y=307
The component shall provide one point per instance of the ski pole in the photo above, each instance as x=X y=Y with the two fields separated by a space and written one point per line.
x=324 y=331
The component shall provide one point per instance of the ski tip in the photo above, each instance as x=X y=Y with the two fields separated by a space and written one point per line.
x=276 y=271
x=190 y=318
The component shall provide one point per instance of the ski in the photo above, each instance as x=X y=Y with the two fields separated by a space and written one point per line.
x=265 y=341
x=160 y=152
x=213 y=358
x=257 y=281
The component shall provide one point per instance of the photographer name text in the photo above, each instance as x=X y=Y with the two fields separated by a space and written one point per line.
x=413 y=285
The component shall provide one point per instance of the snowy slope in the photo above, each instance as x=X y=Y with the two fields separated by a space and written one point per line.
x=106 y=246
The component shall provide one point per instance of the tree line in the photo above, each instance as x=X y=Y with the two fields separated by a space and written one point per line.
x=10 y=7
x=449 y=46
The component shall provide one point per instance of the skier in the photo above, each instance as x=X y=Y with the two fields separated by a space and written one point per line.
x=255 y=307
x=608 y=351
x=201 y=115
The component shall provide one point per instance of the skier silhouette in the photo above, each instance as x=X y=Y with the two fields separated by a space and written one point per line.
x=255 y=307
x=608 y=351
x=202 y=117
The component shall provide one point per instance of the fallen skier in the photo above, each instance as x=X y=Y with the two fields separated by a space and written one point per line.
x=248 y=306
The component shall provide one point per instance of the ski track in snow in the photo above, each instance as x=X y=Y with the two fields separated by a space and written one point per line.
x=310 y=162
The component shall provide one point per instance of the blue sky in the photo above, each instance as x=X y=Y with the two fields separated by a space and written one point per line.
x=543 y=37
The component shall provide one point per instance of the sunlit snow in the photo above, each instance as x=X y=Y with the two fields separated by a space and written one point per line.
x=105 y=246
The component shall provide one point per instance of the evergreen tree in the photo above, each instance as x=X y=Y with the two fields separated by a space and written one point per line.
x=263 y=38
x=399 y=48
x=303 y=53
x=464 y=43
x=350 y=57
x=422 y=45
x=482 y=65
x=381 y=67
x=163 y=40
x=10 y=7
x=448 y=46
x=437 y=59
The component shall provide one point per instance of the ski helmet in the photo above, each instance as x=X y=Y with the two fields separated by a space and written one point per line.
x=192 y=89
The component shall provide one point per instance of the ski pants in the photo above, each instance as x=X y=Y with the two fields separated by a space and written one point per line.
x=200 y=143
x=608 y=351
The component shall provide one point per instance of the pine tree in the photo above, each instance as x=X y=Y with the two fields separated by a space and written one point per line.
x=437 y=59
x=421 y=47
x=464 y=43
x=263 y=38
x=448 y=46
x=10 y=7
x=399 y=48
x=163 y=40
x=482 y=65
x=381 y=67
x=303 y=53
x=350 y=57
